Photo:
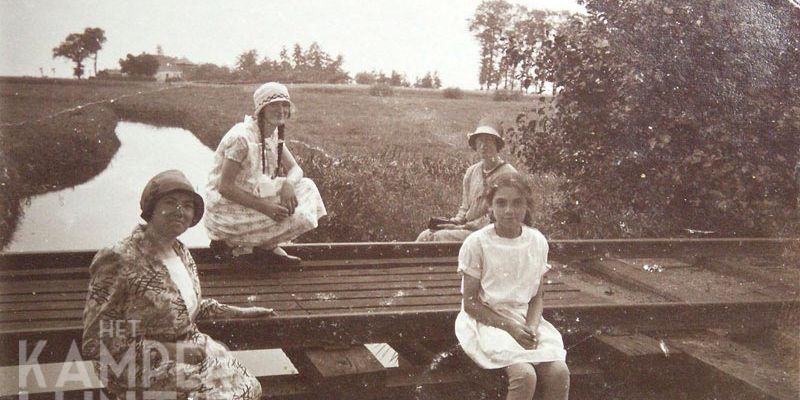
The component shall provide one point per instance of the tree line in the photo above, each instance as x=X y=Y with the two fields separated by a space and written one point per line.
x=311 y=65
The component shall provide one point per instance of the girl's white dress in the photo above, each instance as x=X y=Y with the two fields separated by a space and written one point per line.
x=241 y=226
x=510 y=271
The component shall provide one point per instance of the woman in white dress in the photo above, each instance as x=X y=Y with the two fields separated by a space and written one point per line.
x=251 y=207
x=500 y=324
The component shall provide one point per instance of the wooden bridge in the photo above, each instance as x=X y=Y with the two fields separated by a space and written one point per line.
x=661 y=318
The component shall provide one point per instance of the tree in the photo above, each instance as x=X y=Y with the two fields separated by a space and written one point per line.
x=491 y=20
x=298 y=57
x=437 y=83
x=93 y=39
x=79 y=46
x=143 y=65
x=73 y=48
x=398 y=79
x=365 y=78
x=672 y=115
x=247 y=64
x=209 y=72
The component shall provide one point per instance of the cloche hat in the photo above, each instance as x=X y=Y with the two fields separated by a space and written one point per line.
x=166 y=182
x=270 y=92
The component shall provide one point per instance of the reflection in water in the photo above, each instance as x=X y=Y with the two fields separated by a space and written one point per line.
x=105 y=209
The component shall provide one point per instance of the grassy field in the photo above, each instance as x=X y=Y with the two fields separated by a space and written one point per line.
x=383 y=164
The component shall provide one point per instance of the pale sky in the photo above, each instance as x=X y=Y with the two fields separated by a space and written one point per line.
x=410 y=36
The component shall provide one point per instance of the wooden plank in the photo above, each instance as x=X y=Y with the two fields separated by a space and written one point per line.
x=323 y=267
x=377 y=325
x=682 y=284
x=618 y=276
x=352 y=361
x=567 y=249
x=636 y=347
x=61 y=286
x=776 y=275
x=663 y=262
x=247 y=299
x=739 y=363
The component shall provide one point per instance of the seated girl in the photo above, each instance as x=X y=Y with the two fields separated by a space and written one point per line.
x=250 y=206
x=500 y=324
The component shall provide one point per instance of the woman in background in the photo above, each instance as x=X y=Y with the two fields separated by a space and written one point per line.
x=487 y=141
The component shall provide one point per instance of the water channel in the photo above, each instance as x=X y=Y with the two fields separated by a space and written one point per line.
x=106 y=208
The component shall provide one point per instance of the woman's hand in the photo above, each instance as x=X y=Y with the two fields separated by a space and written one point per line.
x=524 y=336
x=255 y=312
x=288 y=197
x=273 y=210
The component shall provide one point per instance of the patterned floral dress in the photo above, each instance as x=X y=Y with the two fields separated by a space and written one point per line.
x=242 y=226
x=133 y=306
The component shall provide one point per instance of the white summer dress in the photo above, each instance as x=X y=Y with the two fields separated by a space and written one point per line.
x=241 y=226
x=510 y=271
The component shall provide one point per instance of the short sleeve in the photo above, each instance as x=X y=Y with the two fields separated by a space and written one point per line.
x=237 y=149
x=470 y=257
x=544 y=249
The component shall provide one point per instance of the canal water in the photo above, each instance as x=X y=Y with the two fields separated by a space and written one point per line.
x=105 y=209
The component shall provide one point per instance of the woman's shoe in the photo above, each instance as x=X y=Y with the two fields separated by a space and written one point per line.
x=277 y=256
x=220 y=250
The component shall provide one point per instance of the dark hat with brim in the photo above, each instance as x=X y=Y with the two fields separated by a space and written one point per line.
x=164 y=183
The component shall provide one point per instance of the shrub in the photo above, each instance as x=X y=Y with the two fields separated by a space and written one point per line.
x=452 y=93
x=381 y=90
x=506 y=95
x=672 y=116
x=381 y=197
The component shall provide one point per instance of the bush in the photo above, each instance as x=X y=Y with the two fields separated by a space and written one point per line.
x=506 y=95
x=672 y=116
x=381 y=90
x=452 y=93
x=358 y=190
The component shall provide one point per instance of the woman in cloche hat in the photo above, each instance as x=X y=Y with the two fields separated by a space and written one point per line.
x=144 y=298
x=487 y=141
x=252 y=208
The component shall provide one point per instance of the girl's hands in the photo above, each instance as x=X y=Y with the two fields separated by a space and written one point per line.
x=525 y=336
x=288 y=197
x=274 y=210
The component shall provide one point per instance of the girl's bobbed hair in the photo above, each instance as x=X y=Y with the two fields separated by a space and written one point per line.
x=515 y=180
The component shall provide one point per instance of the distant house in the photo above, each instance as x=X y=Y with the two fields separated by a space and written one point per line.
x=172 y=68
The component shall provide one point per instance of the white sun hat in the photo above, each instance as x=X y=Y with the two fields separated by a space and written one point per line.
x=270 y=92
x=488 y=126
